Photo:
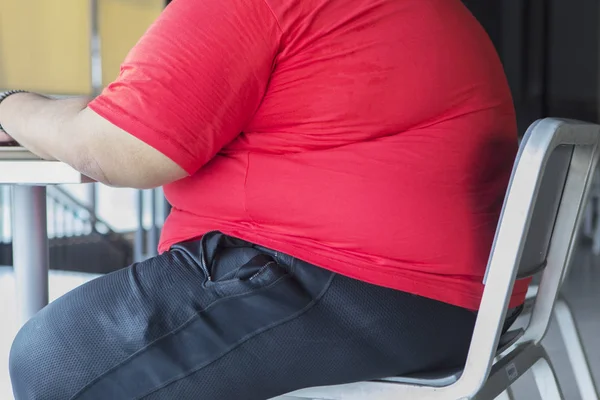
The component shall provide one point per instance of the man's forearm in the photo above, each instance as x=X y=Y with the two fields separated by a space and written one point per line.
x=44 y=126
x=68 y=131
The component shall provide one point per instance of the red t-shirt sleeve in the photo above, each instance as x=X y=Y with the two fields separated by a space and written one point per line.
x=195 y=78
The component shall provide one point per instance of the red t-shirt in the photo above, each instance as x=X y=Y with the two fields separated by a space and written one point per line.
x=374 y=138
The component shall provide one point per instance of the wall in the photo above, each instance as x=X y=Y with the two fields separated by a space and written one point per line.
x=43 y=47
x=574 y=69
x=121 y=24
x=550 y=51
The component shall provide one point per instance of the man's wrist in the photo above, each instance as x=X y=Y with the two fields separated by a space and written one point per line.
x=4 y=96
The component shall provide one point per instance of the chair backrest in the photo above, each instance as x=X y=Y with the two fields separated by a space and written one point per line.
x=537 y=230
x=545 y=210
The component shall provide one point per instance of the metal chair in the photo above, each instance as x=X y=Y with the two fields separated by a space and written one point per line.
x=591 y=221
x=543 y=207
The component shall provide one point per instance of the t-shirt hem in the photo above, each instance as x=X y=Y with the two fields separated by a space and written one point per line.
x=468 y=296
x=402 y=281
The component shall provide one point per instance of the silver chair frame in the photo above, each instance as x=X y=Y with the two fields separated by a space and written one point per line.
x=573 y=344
x=575 y=351
x=486 y=375
x=591 y=221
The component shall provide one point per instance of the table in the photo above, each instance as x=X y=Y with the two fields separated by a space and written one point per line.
x=29 y=176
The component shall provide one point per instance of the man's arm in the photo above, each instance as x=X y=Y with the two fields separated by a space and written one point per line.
x=68 y=131
x=184 y=92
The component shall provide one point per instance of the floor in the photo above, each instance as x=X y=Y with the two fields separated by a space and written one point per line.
x=581 y=291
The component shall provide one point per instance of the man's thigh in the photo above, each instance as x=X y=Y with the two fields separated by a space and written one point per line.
x=220 y=319
x=132 y=332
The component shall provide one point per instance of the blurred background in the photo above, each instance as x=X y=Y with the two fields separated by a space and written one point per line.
x=73 y=47
x=549 y=49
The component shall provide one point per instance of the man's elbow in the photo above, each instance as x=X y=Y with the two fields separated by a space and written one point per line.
x=124 y=180
x=116 y=175
x=127 y=172
x=115 y=158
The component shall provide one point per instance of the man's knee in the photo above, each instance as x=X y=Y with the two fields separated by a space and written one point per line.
x=34 y=363
x=22 y=364
x=26 y=363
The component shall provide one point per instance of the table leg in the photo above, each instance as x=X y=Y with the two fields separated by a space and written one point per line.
x=138 y=243
x=30 y=249
x=152 y=238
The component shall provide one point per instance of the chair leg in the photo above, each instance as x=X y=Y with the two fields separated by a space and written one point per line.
x=506 y=395
x=545 y=379
x=596 y=240
x=587 y=225
x=575 y=351
x=595 y=225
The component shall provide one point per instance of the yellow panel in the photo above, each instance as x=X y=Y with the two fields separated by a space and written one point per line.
x=121 y=24
x=45 y=46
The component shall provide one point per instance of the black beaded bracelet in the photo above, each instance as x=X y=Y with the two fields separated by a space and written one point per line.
x=4 y=96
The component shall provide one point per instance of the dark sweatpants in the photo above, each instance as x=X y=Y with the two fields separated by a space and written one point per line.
x=222 y=319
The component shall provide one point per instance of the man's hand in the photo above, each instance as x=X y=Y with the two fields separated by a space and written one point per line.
x=68 y=131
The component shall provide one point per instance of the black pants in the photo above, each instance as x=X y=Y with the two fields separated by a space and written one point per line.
x=222 y=319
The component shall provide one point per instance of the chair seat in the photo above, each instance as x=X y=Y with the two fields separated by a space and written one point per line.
x=448 y=377
x=431 y=379
x=436 y=379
